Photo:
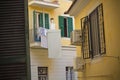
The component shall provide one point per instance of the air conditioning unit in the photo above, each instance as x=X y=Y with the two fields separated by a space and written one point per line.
x=79 y=64
x=76 y=37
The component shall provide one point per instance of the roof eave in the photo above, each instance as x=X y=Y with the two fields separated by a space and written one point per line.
x=77 y=7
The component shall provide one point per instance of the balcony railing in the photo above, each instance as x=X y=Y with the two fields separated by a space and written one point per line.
x=32 y=42
x=52 y=4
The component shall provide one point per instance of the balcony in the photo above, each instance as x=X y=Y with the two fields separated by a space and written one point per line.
x=50 y=4
x=54 y=47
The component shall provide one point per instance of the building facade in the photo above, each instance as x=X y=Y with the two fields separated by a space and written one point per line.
x=42 y=66
x=99 y=66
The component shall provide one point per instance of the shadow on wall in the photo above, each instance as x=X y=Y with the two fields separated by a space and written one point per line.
x=97 y=77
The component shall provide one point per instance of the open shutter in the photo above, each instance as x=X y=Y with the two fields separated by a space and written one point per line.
x=70 y=25
x=14 y=49
x=46 y=21
x=36 y=38
x=61 y=25
x=34 y=25
x=34 y=18
x=101 y=30
x=86 y=41
x=41 y=19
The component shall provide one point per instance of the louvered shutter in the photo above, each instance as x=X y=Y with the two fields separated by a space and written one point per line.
x=13 y=40
x=70 y=25
x=41 y=19
x=46 y=21
x=34 y=26
x=61 y=25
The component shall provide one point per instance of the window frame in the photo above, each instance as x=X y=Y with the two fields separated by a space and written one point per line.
x=43 y=73
x=96 y=40
x=68 y=34
x=37 y=23
x=71 y=72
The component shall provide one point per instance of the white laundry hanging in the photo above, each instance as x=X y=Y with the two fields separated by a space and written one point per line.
x=44 y=43
x=43 y=35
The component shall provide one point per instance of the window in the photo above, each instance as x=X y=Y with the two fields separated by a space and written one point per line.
x=42 y=73
x=66 y=25
x=39 y=20
x=69 y=73
x=93 y=34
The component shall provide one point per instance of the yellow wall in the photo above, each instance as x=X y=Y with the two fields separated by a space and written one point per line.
x=104 y=68
x=64 y=5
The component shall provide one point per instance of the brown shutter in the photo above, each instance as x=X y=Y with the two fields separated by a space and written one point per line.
x=13 y=49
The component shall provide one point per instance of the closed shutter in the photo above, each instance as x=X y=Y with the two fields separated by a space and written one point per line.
x=41 y=19
x=61 y=25
x=13 y=71
x=13 y=40
x=70 y=25
x=46 y=21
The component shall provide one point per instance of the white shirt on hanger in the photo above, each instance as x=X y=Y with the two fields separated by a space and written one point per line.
x=52 y=26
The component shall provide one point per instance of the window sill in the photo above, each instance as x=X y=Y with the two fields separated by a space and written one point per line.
x=65 y=38
x=96 y=59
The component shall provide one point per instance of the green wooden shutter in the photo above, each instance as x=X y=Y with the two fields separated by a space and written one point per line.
x=70 y=25
x=41 y=19
x=35 y=27
x=34 y=18
x=61 y=25
x=46 y=21
x=34 y=24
